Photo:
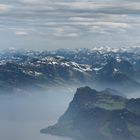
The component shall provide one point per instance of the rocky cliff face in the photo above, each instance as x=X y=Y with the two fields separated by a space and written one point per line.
x=94 y=115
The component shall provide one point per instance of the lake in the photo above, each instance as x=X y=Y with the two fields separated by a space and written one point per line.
x=22 y=117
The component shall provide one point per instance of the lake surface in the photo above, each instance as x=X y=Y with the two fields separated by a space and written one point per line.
x=22 y=117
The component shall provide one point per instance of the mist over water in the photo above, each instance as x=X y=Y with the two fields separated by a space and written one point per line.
x=22 y=117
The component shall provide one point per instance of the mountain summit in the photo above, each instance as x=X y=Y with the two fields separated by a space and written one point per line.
x=22 y=70
x=94 y=115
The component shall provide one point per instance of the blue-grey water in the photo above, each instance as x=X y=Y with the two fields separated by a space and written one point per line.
x=22 y=117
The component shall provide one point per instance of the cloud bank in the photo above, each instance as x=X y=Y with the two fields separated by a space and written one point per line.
x=60 y=19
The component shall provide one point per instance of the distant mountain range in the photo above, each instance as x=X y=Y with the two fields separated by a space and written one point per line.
x=94 y=115
x=22 y=70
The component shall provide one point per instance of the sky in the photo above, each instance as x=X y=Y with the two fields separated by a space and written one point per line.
x=54 y=24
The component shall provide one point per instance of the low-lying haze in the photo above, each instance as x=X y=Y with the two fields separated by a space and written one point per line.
x=22 y=117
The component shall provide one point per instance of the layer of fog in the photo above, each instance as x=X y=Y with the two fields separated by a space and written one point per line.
x=22 y=117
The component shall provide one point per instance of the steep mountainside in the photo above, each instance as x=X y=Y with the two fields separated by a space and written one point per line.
x=21 y=69
x=94 y=115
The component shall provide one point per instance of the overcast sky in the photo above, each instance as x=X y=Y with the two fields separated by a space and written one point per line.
x=52 y=24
